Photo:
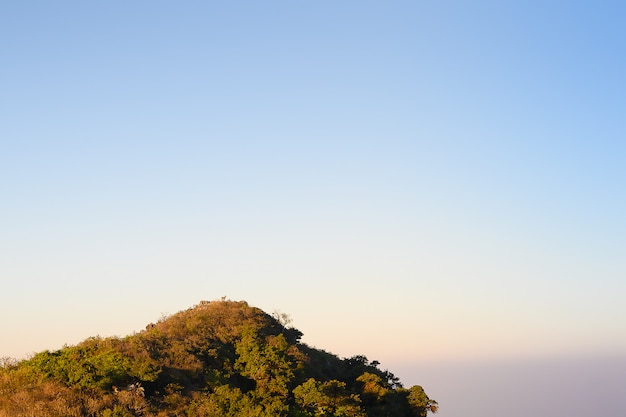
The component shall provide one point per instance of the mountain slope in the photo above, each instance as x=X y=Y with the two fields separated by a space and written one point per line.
x=217 y=359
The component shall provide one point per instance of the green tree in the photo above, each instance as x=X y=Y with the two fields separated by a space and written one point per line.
x=266 y=362
x=420 y=403
x=225 y=401
x=327 y=399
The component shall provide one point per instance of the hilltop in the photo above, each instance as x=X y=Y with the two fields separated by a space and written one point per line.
x=216 y=359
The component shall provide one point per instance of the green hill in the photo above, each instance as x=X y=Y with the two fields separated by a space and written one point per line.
x=217 y=359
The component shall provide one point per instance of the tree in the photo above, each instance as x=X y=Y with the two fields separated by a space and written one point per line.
x=326 y=399
x=420 y=403
x=268 y=364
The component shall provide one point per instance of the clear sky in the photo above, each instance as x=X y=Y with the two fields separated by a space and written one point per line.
x=422 y=182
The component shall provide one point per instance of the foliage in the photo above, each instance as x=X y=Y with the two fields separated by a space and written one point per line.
x=328 y=398
x=217 y=359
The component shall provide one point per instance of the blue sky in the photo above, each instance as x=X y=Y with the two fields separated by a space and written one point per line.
x=410 y=180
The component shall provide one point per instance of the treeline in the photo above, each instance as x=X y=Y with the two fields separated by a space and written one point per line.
x=217 y=359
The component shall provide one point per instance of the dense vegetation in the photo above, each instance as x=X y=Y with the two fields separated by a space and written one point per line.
x=217 y=359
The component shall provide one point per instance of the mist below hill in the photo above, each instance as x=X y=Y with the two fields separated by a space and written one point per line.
x=546 y=387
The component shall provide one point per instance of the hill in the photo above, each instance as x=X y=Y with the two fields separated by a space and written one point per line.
x=216 y=359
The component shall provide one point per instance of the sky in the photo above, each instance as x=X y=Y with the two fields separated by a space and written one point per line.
x=438 y=185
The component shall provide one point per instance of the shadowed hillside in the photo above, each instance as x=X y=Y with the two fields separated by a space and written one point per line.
x=217 y=359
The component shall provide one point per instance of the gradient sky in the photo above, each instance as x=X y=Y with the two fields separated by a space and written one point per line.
x=417 y=181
